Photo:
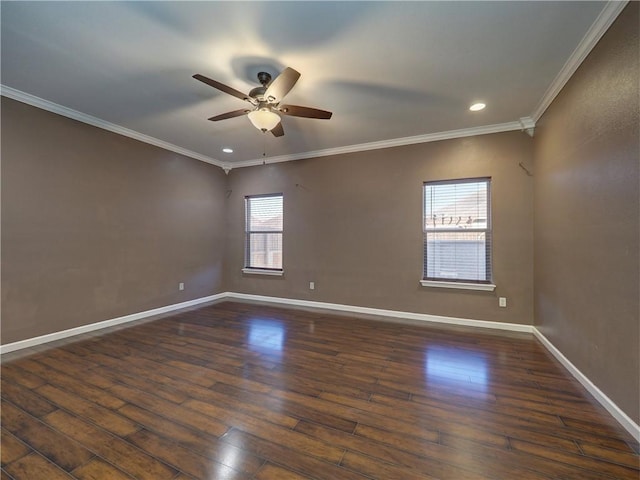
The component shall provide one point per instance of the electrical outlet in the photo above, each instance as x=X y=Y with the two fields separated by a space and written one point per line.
x=502 y=301
x=312 y=285
x=181 y=286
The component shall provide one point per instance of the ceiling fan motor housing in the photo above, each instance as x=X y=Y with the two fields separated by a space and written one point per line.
x=258 y=93
x=264 y=78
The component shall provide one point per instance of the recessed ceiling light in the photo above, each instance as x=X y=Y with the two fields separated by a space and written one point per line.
x=476 y=107
x=227 y=150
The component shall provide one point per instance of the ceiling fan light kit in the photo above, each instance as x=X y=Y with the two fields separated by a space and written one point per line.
x=264 y=119
x=265 y=101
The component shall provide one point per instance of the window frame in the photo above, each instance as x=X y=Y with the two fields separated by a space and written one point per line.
x=248 y=268
x=467 y=284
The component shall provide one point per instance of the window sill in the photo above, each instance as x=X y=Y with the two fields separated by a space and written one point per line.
x=257 y=271
x=485 y=287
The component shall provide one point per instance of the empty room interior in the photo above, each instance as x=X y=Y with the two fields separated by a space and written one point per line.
x=320 y=240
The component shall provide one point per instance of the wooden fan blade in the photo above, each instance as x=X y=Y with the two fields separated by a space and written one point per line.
x=278 y=131
x=282 y=84
x=235 y=113
x=223 y=88
x=307 y=112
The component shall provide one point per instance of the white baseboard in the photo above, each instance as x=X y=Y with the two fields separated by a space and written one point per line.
x=622 y=418
x=50 y=337
x=424 y=317
x=32 y=342
x=606 y=402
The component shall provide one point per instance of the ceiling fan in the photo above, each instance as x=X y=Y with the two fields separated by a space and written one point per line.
x=266 y=108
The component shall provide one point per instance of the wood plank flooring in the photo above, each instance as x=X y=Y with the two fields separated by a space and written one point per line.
x=241 y=391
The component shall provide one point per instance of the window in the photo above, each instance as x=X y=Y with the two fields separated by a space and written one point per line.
x=457 y=234
x=263 y=234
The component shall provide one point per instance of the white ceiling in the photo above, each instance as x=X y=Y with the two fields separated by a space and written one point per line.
x=387 y=70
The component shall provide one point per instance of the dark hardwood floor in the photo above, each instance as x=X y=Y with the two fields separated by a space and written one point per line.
x=240 y=391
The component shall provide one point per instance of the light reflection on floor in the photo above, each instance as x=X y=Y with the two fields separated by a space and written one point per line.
x=229 y=458
x=266 y=336
x=456 y=367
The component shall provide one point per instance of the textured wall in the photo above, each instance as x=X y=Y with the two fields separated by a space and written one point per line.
x=353 y=225
x=587 y=214
x=96 y=225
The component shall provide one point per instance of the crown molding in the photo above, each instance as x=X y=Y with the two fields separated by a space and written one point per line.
x=38 y=102
x=607 y=16
x=522 y=124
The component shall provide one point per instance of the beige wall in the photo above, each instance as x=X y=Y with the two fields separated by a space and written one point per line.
x=352 y=224
x=587 y=211
x=96 y=225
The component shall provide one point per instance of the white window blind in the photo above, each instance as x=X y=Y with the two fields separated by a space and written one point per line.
x=457 y=231
x=263 y=231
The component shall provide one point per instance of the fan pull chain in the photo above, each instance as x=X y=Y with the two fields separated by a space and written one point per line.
x=264 y=148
